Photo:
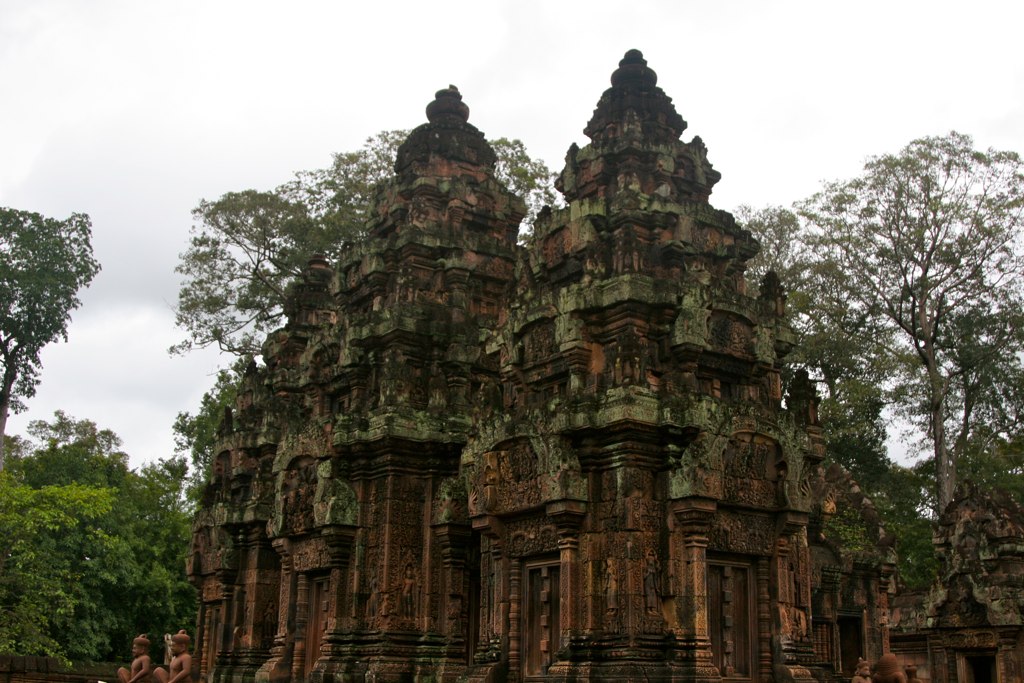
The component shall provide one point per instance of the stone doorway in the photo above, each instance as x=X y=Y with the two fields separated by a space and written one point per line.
x=316 y=622
x=977 y=667
x=541 y=624
x=851 y=642
x=732 y=619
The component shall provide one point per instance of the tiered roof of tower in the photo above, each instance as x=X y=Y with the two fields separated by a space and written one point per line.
x=447 y=411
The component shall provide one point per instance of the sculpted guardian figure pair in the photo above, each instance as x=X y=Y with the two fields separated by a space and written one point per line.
x=887 y=670
x=142 y=671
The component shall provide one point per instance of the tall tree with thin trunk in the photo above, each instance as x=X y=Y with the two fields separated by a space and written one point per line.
x=928 y=246
x=44 y=262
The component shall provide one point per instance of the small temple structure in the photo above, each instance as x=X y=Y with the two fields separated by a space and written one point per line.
x=969 y=627
x=467 y=459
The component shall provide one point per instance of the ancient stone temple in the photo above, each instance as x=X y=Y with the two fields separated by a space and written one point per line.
x=969 y=627
x=469 y=459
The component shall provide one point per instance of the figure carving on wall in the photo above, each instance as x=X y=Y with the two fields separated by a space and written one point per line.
x=781 y=481
x=372 y=601
x=652 y=588
x=409 y=592
x=268 y=625
x=491 y=480
x=611 y=586
x=438 y=389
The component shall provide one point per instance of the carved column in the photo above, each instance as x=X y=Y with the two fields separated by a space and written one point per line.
x=792 y=618
x=568 y=515
x=764 y=615
x=494 y=607
x=830 y=585
x=300 y=630
x=515 y=575
x=1008 y=662
x=453 y=540
x=339 y=539
x=693 y=521
x=222 y=628
x=202 y=630
x=884 y=583
x=277 y=668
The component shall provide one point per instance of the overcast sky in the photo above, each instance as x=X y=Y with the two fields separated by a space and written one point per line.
x=133 y=111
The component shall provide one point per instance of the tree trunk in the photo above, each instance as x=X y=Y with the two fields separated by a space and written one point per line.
x=5 y=403
x=945 y=459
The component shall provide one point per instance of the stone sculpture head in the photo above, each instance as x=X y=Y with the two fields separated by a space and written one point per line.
x=180 y=642
x=862 y=672
x=140 y=645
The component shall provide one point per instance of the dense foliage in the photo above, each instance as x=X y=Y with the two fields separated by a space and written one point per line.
x=905 y=295
x=926 y=248
x=92 y=552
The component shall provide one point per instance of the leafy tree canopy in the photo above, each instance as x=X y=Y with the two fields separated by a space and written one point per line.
x=904 y=292
x=93 y=552
x=44 y=262
x=37 y=578
x=925 y=250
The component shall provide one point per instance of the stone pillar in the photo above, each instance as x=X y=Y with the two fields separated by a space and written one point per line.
x=1008 y=662
x=339 y=539
x=764 y=615
x=202 y=645
x=693 y=518
x=568 y=515
x=301 y=619
x=515 y=576
x=453 y=540
x=791 y=599
x=494 y=602
x=222 y=627
x=277 y=669
x=830 y=577
x=885 y=580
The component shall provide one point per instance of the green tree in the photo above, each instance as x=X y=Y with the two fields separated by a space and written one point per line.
x=247 y=246
x=44 y=262
x=38 y=578
x=123 y=565
x=783 y=249
x=195 y=435
x=926 y=243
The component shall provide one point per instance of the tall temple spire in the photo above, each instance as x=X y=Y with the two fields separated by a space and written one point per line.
x=635 y=144
x=447 y=135
x=635 y=93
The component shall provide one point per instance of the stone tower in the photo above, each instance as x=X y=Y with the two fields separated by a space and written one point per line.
x=467 y=459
